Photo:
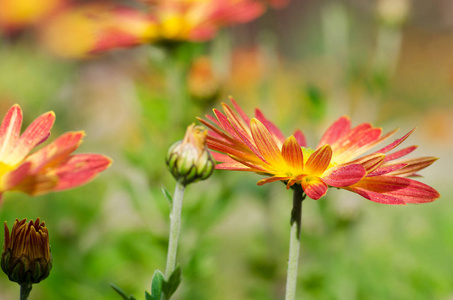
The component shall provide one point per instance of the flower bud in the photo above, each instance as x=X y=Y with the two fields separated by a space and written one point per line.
x=26 y=257
x=189 y=160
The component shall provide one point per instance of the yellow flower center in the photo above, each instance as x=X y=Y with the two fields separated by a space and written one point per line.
x=307 y=152
x=4 y=168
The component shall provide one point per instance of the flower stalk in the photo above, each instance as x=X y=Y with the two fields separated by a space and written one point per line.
x=294 y=243
x=188 y=161
x=25 y=290
x=175 y=228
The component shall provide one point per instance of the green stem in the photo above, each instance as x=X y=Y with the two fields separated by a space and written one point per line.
x=294 y=243
x=25 y=290
x=175 y=226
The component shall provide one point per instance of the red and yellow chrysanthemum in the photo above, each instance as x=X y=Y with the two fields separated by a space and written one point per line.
x=257 y=145
x=51 y=168
x=100 y=27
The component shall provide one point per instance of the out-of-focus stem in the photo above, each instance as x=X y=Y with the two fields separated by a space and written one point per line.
x=294 y=243
x=175 y=226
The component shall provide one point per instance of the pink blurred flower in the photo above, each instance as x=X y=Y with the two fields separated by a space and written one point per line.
x=51 y=168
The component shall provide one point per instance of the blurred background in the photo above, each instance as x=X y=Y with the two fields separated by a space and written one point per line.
x=304 y=64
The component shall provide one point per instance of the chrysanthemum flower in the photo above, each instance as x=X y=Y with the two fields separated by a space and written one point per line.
x=101 y=27
x=95 y=27
x=257 y=145
x=18 y=14
x=51 y=168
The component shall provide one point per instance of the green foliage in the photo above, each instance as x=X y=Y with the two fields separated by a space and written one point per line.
x=170 y=285
x=156 y=286
x=167 y=195
x=122 y=293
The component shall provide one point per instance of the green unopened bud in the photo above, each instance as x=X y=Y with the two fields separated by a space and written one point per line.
x=189 y=160
x=26 y=257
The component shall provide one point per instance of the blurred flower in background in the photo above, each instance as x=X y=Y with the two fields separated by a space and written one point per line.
x=18 y=14
x=86 y=29
x=79 y=30
x=199 y=20
x=51 y=168
x=203 y=83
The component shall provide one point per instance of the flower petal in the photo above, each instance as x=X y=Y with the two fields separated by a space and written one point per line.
x=274 y=130
x=240 y=111
x=235 y=121
x=394 y=190
x=413 y=165
x=235 y=166
x=292 y=153
x=219 y=145
x=314 y=187
x=225 y=124
x=300 y=137
x=265 y=143
x=14 y=177
x=337 y=130
x=386 y=170
x=344 y=175
x=219 y=133
x=318 y=161
x=400 y=153
x=370 y=162
x=356 y=142
x=395 y=143
x=377 y=197
x=78 y=169
x=55 y=152
x=271 y=179
x=37 y=132
x=250 y=165
x=37 y=184
x=10 y=130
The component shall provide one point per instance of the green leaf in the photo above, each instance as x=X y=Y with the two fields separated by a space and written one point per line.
x=156 y=286
x=167 y=195
x=148 y=296
x=169 y=286
x=122 y=293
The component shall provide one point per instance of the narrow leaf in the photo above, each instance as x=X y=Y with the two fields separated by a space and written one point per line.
x=167 y=195
x=121 y=292
x=148 y=296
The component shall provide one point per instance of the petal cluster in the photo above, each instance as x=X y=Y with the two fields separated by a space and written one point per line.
x=257 y=145
x=51 y=168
